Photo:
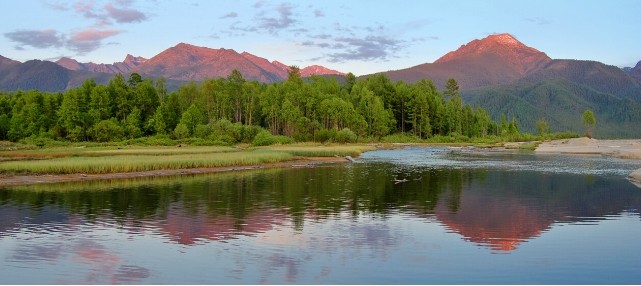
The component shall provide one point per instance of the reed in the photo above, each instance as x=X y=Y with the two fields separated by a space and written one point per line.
x=121 y=159
x=138 y=163
x=318 y=150
x=57 y=152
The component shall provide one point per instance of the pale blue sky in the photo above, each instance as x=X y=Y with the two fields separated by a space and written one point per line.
x=358 y=36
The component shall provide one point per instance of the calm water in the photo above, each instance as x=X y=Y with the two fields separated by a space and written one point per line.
x=411 y=216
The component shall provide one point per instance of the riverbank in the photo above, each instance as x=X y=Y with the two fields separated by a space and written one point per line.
x=624 y=149
x=22 y=180
x=53 y=165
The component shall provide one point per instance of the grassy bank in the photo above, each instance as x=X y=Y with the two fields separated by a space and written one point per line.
x=152 y=153
x=119 y=159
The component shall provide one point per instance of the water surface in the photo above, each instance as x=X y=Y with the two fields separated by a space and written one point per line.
x=410 y=216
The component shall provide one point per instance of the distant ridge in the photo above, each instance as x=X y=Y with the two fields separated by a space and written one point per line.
x=125 y=66
x=181 y=63
x=187 y=62
x=635 y=71
x=495 y=59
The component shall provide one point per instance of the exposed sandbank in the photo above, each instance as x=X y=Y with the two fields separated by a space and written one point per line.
x=624 y=149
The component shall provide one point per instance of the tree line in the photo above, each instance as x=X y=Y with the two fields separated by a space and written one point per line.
x=234 y=109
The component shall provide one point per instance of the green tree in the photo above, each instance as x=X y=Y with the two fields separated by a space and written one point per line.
x=134 y=79
x=350 y=81
x=119 y=92
x=454 y=107
x=589 y=120
x=132 y=124
x=420 y=108
x=234 y=83
x=542 y=126
x=451 y=88
x=5 y=124
x=192 y=118
x=74 y=117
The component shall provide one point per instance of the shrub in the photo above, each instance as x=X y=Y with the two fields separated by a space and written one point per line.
x=202 y=131
x=265 y=138
x=181 y=131
x=108 y=130
x=325 y=135
x=401 y=138
x=249 y=132
x=345 y=136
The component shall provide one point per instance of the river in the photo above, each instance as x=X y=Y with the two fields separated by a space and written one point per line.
x=411 y=216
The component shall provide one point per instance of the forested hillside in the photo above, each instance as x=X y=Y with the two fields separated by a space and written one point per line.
x=560 y=102
x=232 y=109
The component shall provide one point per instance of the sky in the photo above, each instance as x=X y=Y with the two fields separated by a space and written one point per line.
x=361 y=37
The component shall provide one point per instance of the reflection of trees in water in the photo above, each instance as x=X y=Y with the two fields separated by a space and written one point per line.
x=481 y=205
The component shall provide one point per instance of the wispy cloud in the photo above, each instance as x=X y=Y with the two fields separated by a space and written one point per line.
x=116 y=10
x=537 y=20
x=283 y=19
x=259 y=3
x=124 y=15
x=229 y=15
x=40 y=39
x=86 y=39
x=81 y=42
x=366 y=48
x=352 y=43
x=269 y=18
x=61 y=6
x=319 y=13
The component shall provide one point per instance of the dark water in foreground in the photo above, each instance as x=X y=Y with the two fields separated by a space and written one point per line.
x=418 y=215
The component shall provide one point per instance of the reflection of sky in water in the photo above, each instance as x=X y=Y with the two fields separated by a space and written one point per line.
x=67 y=254
x=460 y=158
x=395 y=249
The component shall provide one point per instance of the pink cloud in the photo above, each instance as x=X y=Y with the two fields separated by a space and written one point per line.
x=89 y=39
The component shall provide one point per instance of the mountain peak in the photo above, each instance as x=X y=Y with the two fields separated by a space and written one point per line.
x=318 y=70
x=133 y=61
x=504 y=38
x=69 y=64
x=504 y=47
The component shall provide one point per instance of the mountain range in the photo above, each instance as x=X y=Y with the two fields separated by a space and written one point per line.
x=498 y=73
x=178 y=64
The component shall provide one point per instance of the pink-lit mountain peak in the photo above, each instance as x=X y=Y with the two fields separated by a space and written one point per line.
x=499 y=46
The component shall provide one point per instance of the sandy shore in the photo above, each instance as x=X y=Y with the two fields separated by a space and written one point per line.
x=16 y=180
x=625 y=149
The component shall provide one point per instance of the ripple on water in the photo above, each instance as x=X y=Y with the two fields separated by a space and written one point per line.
x=439 y=157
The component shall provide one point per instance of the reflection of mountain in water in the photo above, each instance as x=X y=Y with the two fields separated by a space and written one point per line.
x=506 y=209
x=497 y=209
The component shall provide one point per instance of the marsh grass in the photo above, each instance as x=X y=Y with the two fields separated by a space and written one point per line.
x=138 y=163
x=160 y=151
x=83 y=151
x=102 y=160
x=318 y=150
x=141 y=182
x=121 y=159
